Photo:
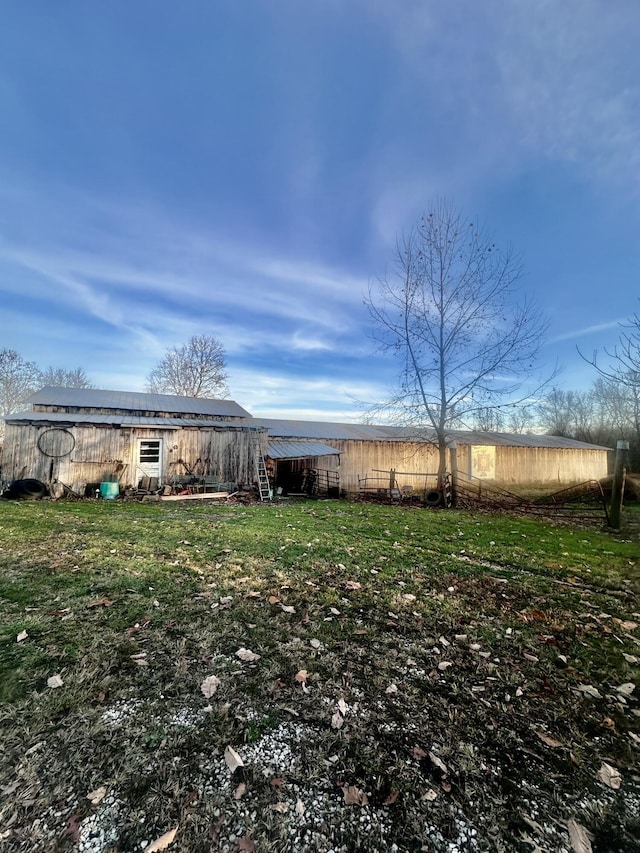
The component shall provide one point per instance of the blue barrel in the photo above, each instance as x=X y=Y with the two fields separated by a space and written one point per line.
x=109 y=491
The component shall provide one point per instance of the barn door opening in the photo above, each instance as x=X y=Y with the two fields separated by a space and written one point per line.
x=150 y=458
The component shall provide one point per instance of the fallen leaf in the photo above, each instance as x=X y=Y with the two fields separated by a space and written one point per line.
x=299 y=808
x=391 y=689
x=630 y=658
x=21 y=636
x=609 y=776
x=589 y=690
x=343 y=707
x=315 y=643
x=626 y=689
x=418 y=752
x=580 y=837
x=438 y=762
x=209 y=686
x=273 y=599
x=282 y=808
x=334 y=610
x=430 y=795
x=163 y=842
x=233 y=759
x=62 y=614
x=354 y=796
x=444 y=664
x=97 y=796
x=550 y=741
x=301 y=676
x=392 y=798
x=246 y=845
x=626 y=625
x=353 y=585
x=337 y=721
x=54 y=681
x=288 y=608
x=240 y=791
x=247 y=655
x=101 y=602
x=73 y=827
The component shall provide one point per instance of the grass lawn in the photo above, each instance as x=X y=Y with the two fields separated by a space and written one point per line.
x=391 y=680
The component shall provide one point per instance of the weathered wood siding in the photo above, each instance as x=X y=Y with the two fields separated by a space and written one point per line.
x=104 y=452
x=514 y=465
x=359 y=459
x=544 y=465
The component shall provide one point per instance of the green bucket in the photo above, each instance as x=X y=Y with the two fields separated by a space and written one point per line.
x=109 y=491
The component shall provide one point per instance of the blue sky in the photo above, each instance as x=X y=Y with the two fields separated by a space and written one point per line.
x=243 y=169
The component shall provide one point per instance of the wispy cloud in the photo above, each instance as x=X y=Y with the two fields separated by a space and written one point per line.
x=587 y=330
x=272 y=394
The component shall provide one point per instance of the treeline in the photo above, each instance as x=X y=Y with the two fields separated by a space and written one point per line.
x=606 y=413
x=20 y=378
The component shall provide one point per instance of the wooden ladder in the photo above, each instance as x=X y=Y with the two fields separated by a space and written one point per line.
x=262 y=478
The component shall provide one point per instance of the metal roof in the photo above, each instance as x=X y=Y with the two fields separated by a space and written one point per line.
x=97 y=419
x=299 y=449
x=326 y=431
x=99 y=399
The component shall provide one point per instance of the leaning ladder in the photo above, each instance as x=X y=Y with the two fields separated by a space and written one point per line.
x=262 y=478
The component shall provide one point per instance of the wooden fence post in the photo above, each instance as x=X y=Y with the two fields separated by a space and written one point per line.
x=453 y=459
x=617 y=487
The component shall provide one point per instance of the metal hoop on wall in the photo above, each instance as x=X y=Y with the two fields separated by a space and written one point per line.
x=56 y=442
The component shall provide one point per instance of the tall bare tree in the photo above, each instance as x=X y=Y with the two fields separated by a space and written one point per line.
x=196 y=369
x=59 y=377
x=18 y=379
x=621 y=368
x=451 y=317
x=623 y=361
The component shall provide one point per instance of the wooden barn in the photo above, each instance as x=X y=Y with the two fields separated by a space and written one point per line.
x=83 y=436
x=359 y=451
x=76 y=436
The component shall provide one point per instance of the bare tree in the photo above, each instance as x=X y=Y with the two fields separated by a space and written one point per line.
x=450 y=316
x=622 y=369
x=624 y=359
x=18 y=379
x=196 y=369
x=521 y=418
x=488 y=419
x=59 y=377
